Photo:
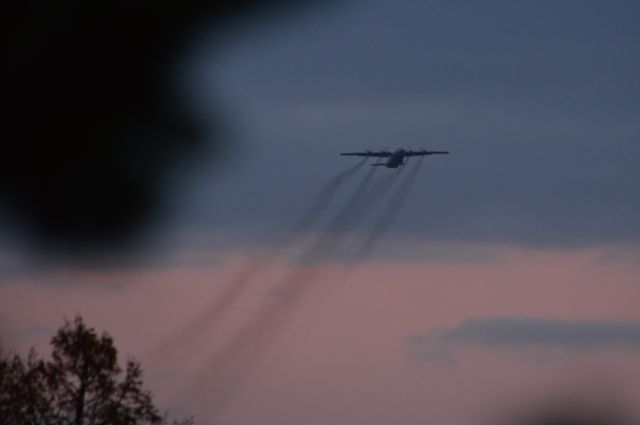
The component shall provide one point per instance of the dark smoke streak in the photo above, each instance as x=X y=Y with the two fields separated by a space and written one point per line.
x=324 y=199
x=334 y=232
x=377 y=193
x=230 y=367
x=341 y=219
x=234 y=364
x=245 y=277
x=368 y=202
x=365 y=199
x=389 y=215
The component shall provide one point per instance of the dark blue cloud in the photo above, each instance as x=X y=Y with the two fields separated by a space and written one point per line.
x=530 y=331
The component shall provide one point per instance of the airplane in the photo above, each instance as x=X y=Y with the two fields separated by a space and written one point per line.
x=395 y=158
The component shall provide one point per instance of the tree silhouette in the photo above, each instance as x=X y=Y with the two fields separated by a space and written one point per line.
x=82 y=384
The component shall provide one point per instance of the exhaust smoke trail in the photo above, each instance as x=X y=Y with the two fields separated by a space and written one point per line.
x=324 y=198
x=381 y=226
x=368 y=203
x=363 y=200
x=236 y=361
x=246 y=276
x=339 y=223
x=366 y=199
x=377 y=193
x=231 y=366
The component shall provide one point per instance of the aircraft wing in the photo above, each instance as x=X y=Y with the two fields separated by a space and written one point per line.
x=379 y=154
x=424 y=152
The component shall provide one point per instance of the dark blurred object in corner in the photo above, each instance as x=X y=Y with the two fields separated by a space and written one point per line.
x=571 y=413
x=575 y=418
x=91 y=121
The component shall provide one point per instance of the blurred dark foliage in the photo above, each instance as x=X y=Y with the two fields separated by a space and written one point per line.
x=81 y=383
x=92 y=123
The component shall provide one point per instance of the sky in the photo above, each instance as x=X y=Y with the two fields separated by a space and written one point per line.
x=506 y=274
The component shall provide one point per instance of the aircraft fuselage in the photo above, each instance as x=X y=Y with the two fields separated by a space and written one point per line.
x=396 y=159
